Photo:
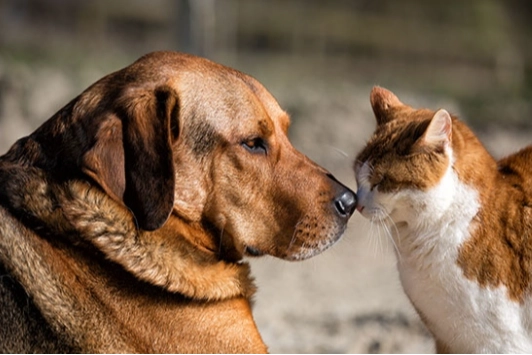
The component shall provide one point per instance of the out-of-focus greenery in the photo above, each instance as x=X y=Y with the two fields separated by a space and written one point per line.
x=479 y=52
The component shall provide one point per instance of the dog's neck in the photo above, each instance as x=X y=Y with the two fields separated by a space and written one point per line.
x=165 y=257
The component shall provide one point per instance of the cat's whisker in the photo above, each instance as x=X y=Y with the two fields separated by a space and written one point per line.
x=393 y=224
x=382 y=223
x=392 y=239
x=381 y=245
x=384 y=219
x=374 y=237
x=377 y=226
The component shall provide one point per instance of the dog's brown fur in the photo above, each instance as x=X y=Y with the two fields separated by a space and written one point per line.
x=124 y=218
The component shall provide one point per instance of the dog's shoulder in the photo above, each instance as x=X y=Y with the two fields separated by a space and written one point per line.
x=22 y=327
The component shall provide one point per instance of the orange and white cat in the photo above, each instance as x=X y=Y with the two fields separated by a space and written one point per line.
x=461 y=222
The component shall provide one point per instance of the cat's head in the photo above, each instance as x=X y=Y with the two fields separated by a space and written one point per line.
x=403 y=165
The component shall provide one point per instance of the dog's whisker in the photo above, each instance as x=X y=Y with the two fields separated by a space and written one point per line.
x=292 y=240
x=339 y=151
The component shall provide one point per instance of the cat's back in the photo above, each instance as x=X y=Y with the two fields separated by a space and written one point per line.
x=516 y=172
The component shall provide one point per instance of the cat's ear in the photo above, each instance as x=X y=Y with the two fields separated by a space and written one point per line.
x=439 y=131
x=382 y=101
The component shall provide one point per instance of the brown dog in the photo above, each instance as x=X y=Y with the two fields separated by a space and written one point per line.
x=124 y=218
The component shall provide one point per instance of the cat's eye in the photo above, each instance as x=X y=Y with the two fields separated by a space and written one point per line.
x=378 y=178
x=378 y=183
x=255 y=145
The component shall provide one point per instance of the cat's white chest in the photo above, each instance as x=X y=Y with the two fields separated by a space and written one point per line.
x=462 y=314
x=465 y=316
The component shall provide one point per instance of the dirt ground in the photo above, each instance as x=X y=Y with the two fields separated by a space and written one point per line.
x=347 y=300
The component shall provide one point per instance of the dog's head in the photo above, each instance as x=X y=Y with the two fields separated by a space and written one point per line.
x=174 y=134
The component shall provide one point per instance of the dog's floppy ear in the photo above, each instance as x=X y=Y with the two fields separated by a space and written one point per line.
x=132 y=157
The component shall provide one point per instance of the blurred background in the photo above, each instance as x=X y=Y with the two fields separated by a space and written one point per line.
x=320 y=60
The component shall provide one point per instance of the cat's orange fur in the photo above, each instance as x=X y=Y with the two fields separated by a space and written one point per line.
x=500 y=250
x=463 y=225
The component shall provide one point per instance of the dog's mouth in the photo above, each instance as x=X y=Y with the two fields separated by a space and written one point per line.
x=252 y=251
x=230 y=249
x=309 y=238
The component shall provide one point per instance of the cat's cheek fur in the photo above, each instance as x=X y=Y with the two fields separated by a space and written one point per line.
x=411 y=206
x=435 y=203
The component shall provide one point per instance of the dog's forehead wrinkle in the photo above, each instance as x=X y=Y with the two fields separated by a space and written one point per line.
x=265 y=126
x=200 y=134
x=258 y=98
x=253 y=105
x=284 y=120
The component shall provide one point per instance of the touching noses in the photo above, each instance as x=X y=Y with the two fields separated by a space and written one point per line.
x=345 y=204
x=345 y=200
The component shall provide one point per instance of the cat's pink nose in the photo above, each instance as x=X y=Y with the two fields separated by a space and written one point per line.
x=360 y=207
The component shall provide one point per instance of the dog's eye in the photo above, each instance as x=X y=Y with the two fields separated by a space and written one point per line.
x=255 y=145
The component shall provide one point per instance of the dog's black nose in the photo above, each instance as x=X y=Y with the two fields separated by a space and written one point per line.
x=345 y=200
x=346 y=203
